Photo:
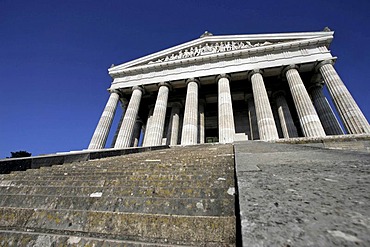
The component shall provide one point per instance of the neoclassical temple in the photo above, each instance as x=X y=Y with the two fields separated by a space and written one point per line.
x=224 y=88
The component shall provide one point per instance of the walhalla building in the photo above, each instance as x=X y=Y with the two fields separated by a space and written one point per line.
x=225 y=140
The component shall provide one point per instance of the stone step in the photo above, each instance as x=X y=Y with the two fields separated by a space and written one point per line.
x=120 y=173
x=180 y=196
x=171 y=229
x=129 y=179
x=217 y=165
x=112 y=170
x=117 y=174
x=159 y=192
x=219 y=182
x=17 y=238
x=179 y=206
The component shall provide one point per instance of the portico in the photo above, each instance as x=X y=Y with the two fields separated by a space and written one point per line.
x=229 y=88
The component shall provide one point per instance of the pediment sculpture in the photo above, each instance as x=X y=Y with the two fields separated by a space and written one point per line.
x=210 y=48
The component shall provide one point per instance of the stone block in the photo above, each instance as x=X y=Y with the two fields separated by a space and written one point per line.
x=14 y=217
x=57 y=220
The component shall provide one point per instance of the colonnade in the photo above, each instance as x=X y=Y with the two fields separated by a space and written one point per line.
x=315 y=116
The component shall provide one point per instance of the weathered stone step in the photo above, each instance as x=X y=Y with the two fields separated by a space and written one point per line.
x=165 y=192
x=220 y=181
x=126 y=178
x=171 y=229
x=17 y=238
x=132 y=204
x=113 y=173
x=133 y=167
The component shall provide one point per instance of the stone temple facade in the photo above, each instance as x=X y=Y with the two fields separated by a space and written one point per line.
x=226 y=88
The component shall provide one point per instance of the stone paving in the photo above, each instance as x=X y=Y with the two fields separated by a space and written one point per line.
x=294 y=195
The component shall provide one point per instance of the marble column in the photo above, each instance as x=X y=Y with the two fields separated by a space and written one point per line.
x=265 y=119
x=276 y=119
x=173 y=128
x=326 y=114
x=201 y=129
x=286 y=121
x=248 y=126
x=308 y=118
x=123 y=107
x=226 y=125
x=127 y=127
x=352 y=117
x=155 y=130
x=101 y=132
x=189 y=134
x=148 y=121
x=136 y=133
x=253 y=126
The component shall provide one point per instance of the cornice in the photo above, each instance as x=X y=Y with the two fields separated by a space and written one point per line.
x=142 y=65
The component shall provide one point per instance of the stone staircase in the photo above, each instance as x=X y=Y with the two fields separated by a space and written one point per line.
x=177 y=196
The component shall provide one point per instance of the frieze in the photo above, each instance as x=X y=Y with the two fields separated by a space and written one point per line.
x=209 y=48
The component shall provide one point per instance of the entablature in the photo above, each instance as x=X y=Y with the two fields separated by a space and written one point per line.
x=235 y=65
x=228 y=44
x=245 y=52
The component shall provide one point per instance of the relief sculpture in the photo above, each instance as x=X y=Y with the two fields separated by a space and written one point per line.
x=207 y=49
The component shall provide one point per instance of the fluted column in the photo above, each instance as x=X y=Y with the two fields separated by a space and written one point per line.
x=253 y=126
x=308 y=118
x=148 y=121
x=286 y=121
x=352 y=117
x=189 y=134
x=155 y=130
x=123 y=106
x=201 y=129
x=276 y=119
x=326 y=114
x=136 y=133
x=101 y=132
x=265 y=119
x=226 y=125
x=127 y=127
x=173 y=129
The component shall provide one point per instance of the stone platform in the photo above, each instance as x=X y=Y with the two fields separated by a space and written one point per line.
x=299 y=195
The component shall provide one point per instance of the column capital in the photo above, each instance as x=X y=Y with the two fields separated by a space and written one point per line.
x=115 y=91
x=138 y=120
x=167 y=84
x=286 y=68
x=227 y=76
x=322 y=63
x=278 y=93
x=193 y=80
x=317 y=78
x=254 y=71
x=175 y=104
x=138 y=87
x=315 y=85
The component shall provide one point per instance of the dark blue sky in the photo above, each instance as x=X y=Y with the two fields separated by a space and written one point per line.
x=54 y=55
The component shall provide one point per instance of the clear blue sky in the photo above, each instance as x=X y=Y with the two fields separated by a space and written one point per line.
x=54 y=55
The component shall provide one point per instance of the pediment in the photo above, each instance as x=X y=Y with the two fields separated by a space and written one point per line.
x=208 y=46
